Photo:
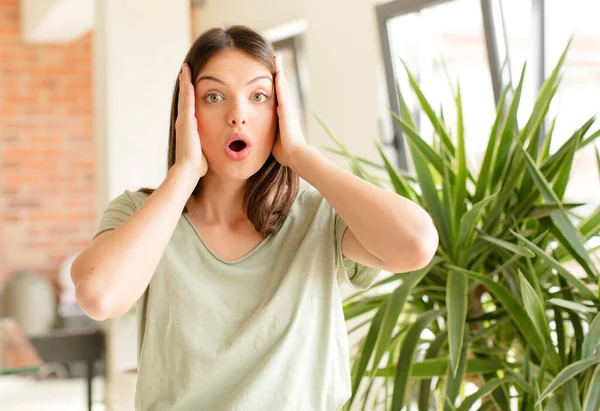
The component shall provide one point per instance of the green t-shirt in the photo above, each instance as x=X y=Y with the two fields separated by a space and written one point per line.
x=264 y=332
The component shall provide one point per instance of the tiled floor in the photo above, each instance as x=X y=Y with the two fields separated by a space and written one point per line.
x=27 y=394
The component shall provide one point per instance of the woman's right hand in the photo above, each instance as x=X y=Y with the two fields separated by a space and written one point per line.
x=188 y=146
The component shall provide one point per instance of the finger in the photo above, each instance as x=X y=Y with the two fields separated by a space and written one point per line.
x=190 y=91
x=284 y=96
x=181 y=96
x=186 y=89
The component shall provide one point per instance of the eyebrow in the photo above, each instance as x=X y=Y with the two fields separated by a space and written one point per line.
x=255 y=79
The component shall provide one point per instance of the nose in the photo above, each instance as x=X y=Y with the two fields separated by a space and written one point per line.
x=238 y=114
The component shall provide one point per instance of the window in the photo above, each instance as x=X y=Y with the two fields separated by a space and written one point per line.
x=447 y=37
x=578 y=97
x=290 y=49
x=430 y=34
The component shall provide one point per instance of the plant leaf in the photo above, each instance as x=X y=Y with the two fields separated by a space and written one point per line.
x=539 y=211
x=571 y=397
x=566 y=374
x=548 y=141
x=400 y=185
x=568 y=277
x=429 y=153
x=405 y=111
x=362 y=362
x=571 y=305
x=425 y=384
x=456 y=301
x=393 y=310
x=430 y=196
x=592 y=339
x=454 y=382
x=360 y=159
x=564 y=175
x=513 y=248
x=508 y=136
x=407 y=353
x=438 y=367
x=590 y=139
x=435 y=121
x=355 y=165
x=487 y=388
x=535 y=309
x=513 y=307
x=460 y=183
x=467 y=227
x=592 y=398
x=591 y=225
x=483 y=180
x=560 y=219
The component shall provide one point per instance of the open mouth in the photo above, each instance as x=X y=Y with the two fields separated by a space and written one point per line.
x=237 y=146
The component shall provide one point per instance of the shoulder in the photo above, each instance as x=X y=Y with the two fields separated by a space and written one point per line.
x=310 y=204
x=308 y=200
x=309 y=196
x=129 y=199
x=119 y=209
x=137 y=197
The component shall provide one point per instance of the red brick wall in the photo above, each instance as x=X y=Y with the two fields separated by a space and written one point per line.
x=47 y=155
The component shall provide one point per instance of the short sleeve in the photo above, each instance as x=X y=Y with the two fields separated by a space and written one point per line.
x=117 y=211
x=358 y=276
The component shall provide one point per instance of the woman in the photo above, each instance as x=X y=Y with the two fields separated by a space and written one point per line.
x=233 y=270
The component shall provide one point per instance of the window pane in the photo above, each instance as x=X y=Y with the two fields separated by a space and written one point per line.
x=288 y=53
x=578 y=97
x=449 y=34
x=517 y=18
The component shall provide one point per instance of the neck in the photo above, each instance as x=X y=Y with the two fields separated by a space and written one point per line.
x=220 y=201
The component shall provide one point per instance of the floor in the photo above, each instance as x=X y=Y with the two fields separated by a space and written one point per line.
x=28 y=394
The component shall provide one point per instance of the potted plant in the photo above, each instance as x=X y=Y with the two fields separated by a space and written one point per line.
x=497 y=320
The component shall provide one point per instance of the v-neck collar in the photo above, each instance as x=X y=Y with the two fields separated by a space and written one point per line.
x=228 y=262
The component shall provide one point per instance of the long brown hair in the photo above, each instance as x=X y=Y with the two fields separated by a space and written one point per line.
x=272 y=190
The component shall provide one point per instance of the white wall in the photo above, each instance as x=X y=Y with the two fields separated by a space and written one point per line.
x=342 y=56
x=55 y=21
x=138 y=48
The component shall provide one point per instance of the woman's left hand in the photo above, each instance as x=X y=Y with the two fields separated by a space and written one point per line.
x=289 y=138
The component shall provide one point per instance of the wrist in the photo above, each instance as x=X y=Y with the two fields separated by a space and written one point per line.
x=185 y=175
x=299 y=156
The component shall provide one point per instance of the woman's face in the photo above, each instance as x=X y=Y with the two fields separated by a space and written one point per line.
x=236 y=94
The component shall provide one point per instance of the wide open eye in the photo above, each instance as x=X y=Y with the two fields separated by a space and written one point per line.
x=213 y=98
x=260 y=97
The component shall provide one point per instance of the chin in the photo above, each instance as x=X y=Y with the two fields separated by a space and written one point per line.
x=240 y=171
x=221 y=165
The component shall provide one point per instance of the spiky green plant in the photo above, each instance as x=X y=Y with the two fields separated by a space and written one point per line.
x=498 y=310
